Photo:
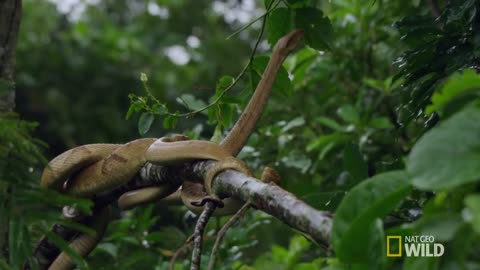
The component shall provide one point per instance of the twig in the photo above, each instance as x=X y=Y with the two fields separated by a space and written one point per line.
x=198 y=234
x=240 y=213
x=269 y=10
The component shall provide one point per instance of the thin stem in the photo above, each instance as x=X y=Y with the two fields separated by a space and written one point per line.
x=269 y=10
x=240 y=213
x=198 y=234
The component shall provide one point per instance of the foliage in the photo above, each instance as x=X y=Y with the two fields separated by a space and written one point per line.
x=376 y=119
x=26 y=211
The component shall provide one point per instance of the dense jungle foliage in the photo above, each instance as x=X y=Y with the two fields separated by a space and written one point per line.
x=376 y=118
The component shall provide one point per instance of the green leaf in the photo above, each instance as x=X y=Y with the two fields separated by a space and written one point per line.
x=375 y=246
x=327 y=141
x=369 y=200
x=109 y=248
x=145 y=122
x=443 y=226
x=226 y=114
x=353 y=162
x=159 y=109
x=191 y=102
x=223 y=84
x=457 y=85
x=279 y=23
x=349 y=114
x=329 y=122
x=136 y=105
x=282 y=82
x=449 y=154
x=473 y=204
x=421 y=263
x=170 y=122
x=317 y=27
x=381 y=123
x=296 y=122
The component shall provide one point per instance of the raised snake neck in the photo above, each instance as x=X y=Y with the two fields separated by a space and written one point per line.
x=243 y=128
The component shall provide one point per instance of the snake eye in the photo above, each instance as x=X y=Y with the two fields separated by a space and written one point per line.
x=174 y=138
x=179 y=137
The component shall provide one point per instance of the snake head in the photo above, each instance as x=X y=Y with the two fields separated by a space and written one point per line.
x=289 y=42
x=175 y=138
x=269 y=175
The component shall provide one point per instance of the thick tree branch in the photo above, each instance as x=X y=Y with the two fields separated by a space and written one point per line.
x=269 y=198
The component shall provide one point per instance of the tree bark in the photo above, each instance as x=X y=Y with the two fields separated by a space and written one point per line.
x=269 y=198
x=10 y=13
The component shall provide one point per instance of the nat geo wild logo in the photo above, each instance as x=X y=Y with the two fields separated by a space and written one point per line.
x=413 y=246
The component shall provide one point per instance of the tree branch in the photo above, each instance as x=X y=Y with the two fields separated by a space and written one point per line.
x=269 y=198
x=198 y=234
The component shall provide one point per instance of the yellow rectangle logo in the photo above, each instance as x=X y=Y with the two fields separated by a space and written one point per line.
x=389 y=246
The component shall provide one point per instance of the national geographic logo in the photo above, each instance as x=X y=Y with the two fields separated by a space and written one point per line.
x=413 y=246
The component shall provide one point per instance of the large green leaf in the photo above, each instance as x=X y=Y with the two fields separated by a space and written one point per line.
x=457 y=85
x=449 y=154
x=349 y=114
x=354 y=163
x=279 y=23
x=317 y=27
x=356 y=214
x=473 y=204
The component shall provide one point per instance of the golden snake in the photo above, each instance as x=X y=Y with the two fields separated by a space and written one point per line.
x=91 y=169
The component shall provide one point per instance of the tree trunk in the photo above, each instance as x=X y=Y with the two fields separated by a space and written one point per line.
x=10 y=13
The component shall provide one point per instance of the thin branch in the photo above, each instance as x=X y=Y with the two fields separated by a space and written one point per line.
x=240 y=213
x=198 y=234
x=270 y=8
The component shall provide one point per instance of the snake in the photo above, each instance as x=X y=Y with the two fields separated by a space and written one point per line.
x=95 y=168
